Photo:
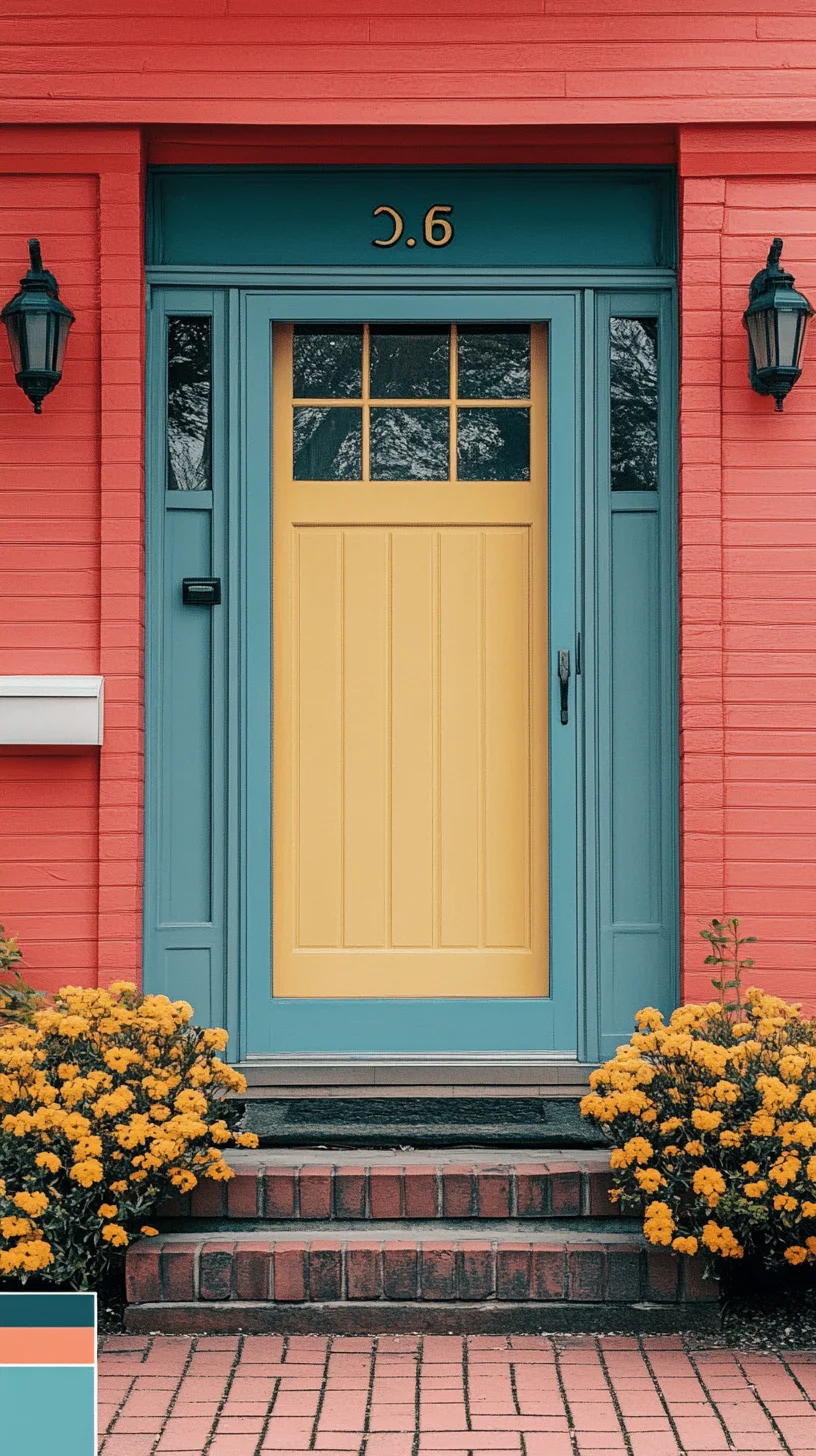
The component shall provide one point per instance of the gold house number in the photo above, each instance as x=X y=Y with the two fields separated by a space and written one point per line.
x=437 y=229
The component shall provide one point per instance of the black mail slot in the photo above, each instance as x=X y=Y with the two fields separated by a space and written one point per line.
x=201 y=591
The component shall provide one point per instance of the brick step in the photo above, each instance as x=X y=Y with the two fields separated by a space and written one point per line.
x=461 y=1184
x=360 y=1279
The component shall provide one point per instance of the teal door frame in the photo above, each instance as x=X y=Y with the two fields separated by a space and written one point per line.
x=228 y=940
x=408 y=1025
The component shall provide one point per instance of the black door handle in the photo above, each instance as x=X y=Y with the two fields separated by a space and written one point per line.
x=563 y=682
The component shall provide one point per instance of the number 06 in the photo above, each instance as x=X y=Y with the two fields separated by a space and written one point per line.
x=438 y=230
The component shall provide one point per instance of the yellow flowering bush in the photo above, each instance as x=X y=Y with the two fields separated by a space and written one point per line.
x=110 y=1102
x=713 y=1120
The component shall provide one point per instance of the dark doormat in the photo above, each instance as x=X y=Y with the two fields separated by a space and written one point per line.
x=420 y=1122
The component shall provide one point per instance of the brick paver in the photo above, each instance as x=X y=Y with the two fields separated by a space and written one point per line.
x=442 y=1395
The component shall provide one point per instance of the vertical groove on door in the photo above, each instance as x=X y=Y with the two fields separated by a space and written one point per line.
x=319 y=748
x=458 y=806
x=365 y=729
x=414 y=901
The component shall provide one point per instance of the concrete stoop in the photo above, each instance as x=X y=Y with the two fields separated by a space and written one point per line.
x=377 y=1242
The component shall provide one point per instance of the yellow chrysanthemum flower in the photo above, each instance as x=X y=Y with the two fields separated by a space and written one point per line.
x=183 y=1179
x=216 y=1038
x=720 y=1240
x=710 y=1184
x=687 y=1245
x=705 y=1121
x=31 y=1203
x=730 y=1139
x=86 y=1173
x=785 y=1169
x=755 y=1190
x=113 y=1233
x=12 y=1227
x=50 y=1161
x=796 y=1254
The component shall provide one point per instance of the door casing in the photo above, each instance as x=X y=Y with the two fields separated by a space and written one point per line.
x=241 y=639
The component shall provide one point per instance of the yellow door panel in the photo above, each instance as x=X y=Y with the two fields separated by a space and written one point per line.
x=410 y=703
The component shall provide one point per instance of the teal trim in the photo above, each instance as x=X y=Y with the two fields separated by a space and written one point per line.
x=31 y=1310
x=185 y=711
x=633 y=611
x=506 y=217
x=364 y=1026
x=609 y=963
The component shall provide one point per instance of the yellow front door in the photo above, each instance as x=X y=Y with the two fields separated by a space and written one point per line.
x=409 y=576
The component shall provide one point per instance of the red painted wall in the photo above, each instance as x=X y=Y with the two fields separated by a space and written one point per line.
x=725 y=87
x=71 y=584
x=748 y=564
x=419 y=62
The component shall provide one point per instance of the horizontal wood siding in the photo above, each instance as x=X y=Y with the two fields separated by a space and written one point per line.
x=748 y=565
x=71 y=585
x=428 y=62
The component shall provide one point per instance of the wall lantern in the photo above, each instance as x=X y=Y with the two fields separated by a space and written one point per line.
x=776 y=319
x=37 y=325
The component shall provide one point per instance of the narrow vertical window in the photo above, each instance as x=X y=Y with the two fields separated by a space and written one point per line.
x=189 y=403
x=633 y=403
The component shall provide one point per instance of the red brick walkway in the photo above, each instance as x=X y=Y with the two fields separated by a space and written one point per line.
x=404 y=1395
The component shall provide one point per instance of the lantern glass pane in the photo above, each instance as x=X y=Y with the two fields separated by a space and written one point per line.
x=36 y=353
x=633 y=403
x=757 y=333
x=14 y=330
x=788 y=336
x=63 y=326
x=189 y=403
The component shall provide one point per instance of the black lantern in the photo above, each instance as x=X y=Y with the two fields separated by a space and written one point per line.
x=776 y=319
x=37 y=325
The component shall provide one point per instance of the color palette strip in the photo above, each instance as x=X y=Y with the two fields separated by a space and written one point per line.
x=48 y=1373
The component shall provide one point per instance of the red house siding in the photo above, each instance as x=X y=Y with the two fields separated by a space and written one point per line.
x=71 y=587
x=719 y=85
x=547 y=62
x=747 y=566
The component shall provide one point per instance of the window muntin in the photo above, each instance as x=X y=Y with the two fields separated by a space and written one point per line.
x=411 y=402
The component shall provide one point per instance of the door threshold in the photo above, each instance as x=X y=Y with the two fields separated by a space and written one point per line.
x=435 y=1074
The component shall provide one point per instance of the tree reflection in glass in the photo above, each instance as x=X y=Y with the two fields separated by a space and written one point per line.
x=327 y=363
x=633 y=403
x=327 y=443
x=410 y=444
x=189 y=403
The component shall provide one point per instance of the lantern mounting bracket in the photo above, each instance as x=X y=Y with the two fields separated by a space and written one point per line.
x=37 y=276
